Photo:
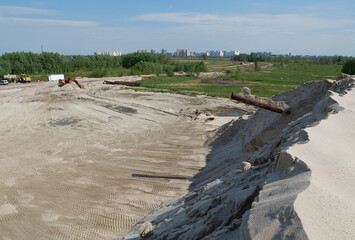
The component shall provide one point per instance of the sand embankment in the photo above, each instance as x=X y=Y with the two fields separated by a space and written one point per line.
x=254 y=174
x=326 y=208
x=89 y=164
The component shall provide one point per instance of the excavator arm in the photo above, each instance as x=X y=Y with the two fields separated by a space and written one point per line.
x=68 y=81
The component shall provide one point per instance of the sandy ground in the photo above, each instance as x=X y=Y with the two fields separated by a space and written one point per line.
x=272 y=176
x=89 y=164
x=326 y=208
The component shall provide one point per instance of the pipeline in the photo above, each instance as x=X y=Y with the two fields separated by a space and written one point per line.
x=260 y=104
x=134 y=84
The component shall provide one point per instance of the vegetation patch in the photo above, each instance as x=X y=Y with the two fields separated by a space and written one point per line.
x=268 y=81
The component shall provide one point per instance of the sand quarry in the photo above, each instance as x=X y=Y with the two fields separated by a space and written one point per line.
x=111 y=163
x=89 y=164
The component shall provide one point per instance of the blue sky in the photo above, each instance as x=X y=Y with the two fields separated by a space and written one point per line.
x=311 y=27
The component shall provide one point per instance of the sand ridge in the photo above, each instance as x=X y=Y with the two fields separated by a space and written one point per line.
x=330 y=154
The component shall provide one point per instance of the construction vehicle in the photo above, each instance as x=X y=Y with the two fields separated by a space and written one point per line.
x=24 y=79
x=10 y=78
x=61 y=83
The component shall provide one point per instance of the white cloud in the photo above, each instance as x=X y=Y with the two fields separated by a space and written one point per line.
x=254 y=23
x=13 y=10
x=46 y=22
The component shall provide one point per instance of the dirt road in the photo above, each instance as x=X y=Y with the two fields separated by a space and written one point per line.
x=89 y=164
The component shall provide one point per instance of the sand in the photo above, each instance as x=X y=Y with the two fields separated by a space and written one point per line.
x=326 y=208
x=89 y=164
x=271 y=176
x=105 y=162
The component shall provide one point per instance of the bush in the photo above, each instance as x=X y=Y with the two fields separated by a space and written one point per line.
x=134 y=72
x=149 y=68
x=98 y=73
x=119 y=72
x=349 y=67
x=132 y=59
x=169 y=70
x=170 y=73
x=189 y=67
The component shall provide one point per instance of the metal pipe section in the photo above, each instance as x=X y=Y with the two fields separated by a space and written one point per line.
x=134 y=84
x=260 y=104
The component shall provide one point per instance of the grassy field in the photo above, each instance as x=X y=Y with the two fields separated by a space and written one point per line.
x=271 y=79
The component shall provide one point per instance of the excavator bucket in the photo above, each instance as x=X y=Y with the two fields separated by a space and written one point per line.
x=82 y=87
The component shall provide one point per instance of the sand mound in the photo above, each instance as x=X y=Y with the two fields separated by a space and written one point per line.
x=248 y=188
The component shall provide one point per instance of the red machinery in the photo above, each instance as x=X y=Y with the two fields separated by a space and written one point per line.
x=68 y=81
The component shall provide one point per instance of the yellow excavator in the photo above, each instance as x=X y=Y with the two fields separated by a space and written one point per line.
x=24 y=79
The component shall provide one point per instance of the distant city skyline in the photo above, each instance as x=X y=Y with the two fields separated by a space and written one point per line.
x=313 y=27
x=209 y=53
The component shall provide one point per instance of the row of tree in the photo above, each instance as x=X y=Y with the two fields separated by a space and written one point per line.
x=28 y=62
x=339 y=60
x=138 y=63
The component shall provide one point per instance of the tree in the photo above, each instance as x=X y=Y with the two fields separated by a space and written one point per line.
x=132 y=59
x=256 y=65
x=5 y=67
x=349 y=67
x=325 y=60
x=200 y=67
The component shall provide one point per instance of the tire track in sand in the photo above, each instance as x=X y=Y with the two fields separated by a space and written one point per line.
x=86 y=180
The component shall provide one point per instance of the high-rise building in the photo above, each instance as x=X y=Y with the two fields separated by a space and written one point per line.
x=115 y=54
x=179 y=52
x=182 y=52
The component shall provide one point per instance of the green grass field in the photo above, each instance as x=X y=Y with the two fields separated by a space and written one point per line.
x=271 y=79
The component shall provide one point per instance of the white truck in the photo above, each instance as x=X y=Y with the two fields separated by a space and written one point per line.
x=4 y=82
x=56 y=77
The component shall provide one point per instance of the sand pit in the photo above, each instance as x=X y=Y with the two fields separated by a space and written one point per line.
x=89 y=164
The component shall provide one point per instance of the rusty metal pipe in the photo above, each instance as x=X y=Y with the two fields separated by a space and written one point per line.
x=260 y=104
x=135 y=84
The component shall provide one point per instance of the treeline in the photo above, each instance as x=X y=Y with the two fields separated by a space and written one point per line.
x=339 y=60
x=99 y=66
x=29 y=63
